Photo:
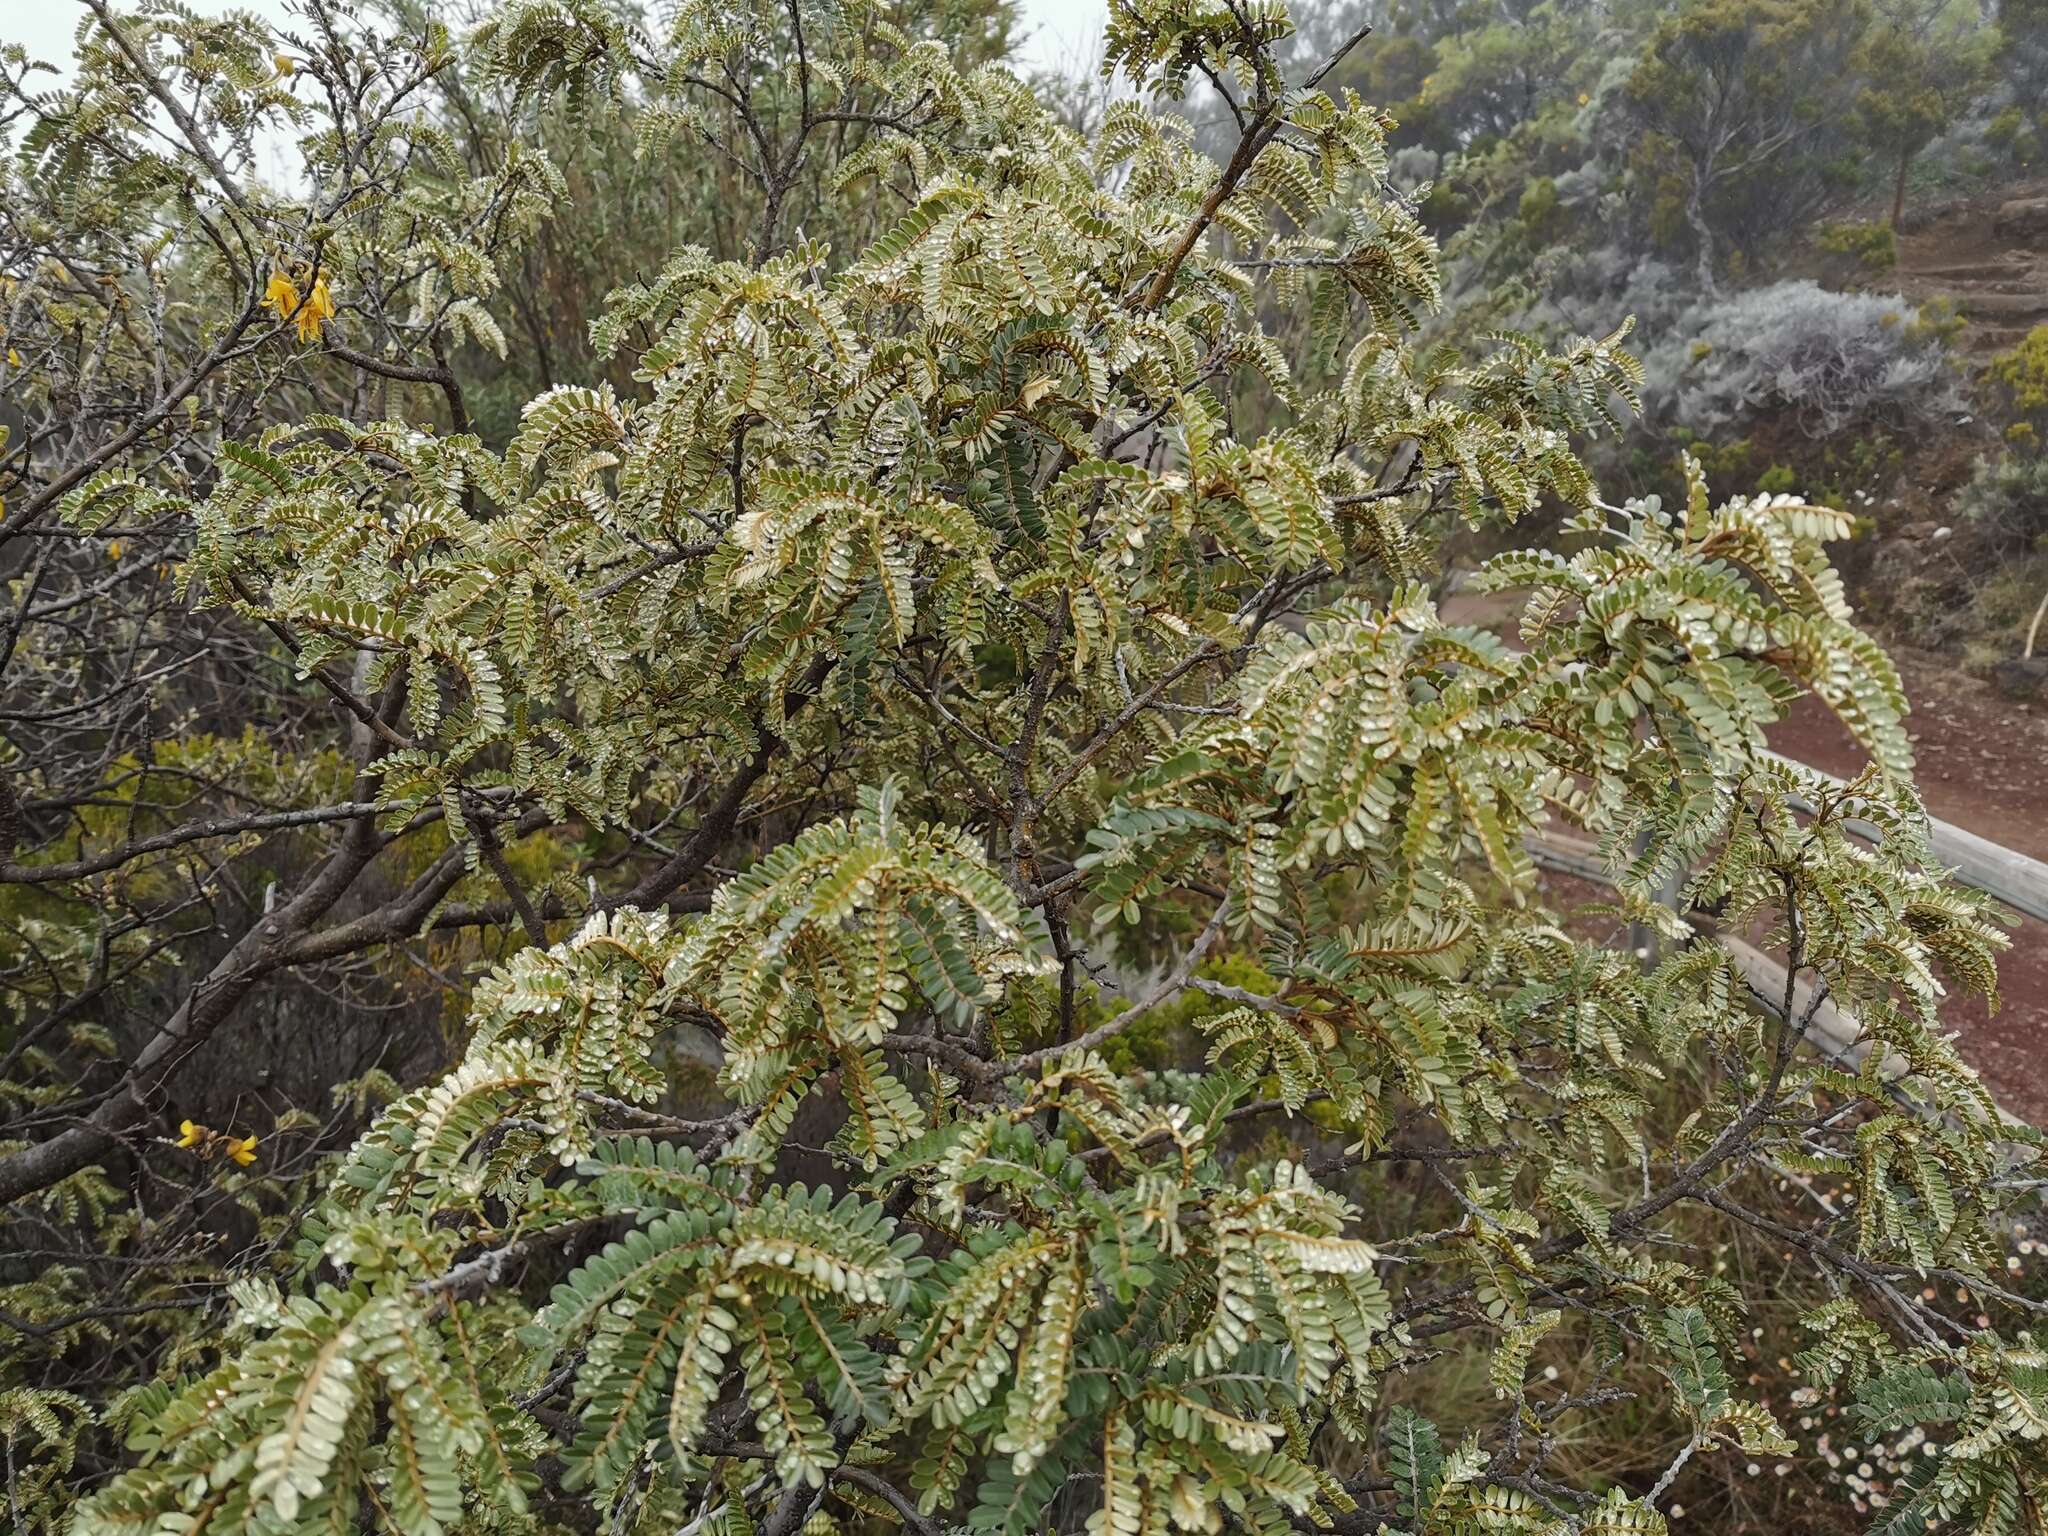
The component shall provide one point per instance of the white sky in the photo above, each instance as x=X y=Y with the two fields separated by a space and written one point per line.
x=1062 y=31
x=1058 y=30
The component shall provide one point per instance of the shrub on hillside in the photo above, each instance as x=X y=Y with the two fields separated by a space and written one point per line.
x=2006 y=500
x=1609 y=279
x=1716 y=365
x=1869 y=241
x=1832 y=360
x=2019 y=380
x=913 y=649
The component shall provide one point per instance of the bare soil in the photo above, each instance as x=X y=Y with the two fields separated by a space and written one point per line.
x=1982 y=759
x=1951 y=252
x=1983 y=765
x=1997 y=283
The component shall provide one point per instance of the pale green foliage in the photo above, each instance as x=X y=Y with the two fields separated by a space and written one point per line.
x=809 y=958
x=951 y=544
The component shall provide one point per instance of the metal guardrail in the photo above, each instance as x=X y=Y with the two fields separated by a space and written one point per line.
x=1829 y=1029
x=2013 y=878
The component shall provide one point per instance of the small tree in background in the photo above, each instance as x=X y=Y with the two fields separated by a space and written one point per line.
x=1143 y=1047
x=2022 y=56
x=1729 y=89
x=1922 y=63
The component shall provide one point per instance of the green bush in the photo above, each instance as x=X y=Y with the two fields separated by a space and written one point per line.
x=1870 y=242
x=907 y=645
x=2018 y=379
x=1778 y=480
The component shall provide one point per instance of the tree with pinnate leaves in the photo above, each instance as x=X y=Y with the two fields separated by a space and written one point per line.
x=1145 y=1053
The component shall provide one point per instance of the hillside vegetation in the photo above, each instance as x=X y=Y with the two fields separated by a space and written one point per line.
x=1829 y=222
x=737 y=797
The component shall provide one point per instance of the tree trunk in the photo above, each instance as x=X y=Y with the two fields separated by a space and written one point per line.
x=254 y=957
x=1703 y=237
x=1899 y=189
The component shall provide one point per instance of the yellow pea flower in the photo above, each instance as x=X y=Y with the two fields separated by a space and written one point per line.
x=209 y=1143
x=319 y=309
x=286 y=65
x=13 y=358
x=311 y=313
x=114 y=553
x=282 y=295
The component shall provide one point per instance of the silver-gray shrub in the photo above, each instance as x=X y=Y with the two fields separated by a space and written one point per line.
x=1832 y=360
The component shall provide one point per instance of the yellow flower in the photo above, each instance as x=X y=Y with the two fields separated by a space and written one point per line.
x=319 y=308
x=189 y=1134
x=114 y=553
x=13 y=358
x=285 y=65
x=311 y=312
x=282 y=295
x=242 y=1149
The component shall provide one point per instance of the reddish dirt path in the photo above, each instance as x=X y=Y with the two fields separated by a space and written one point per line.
x=1982 y=759
x=1983 y=765
x=1996 y=280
